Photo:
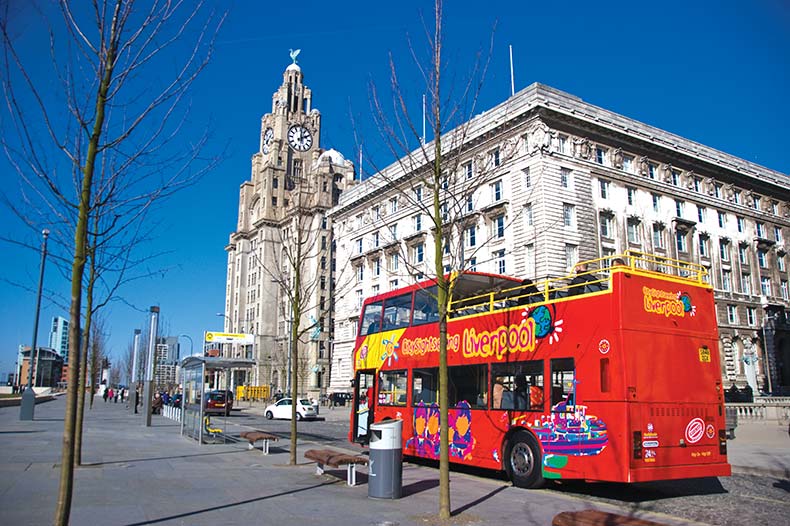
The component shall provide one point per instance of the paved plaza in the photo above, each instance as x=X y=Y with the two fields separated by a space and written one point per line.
x=136 y=475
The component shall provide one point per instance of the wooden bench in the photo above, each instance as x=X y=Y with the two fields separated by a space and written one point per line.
x=598 y=518
x=254 y=436
x=335 y=459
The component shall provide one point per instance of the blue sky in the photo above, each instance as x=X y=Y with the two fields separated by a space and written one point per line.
x=714 y=72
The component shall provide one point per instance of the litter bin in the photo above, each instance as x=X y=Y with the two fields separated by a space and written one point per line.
x=385 y=475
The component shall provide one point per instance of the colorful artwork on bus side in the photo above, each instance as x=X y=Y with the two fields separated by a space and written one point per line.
x=425 y=441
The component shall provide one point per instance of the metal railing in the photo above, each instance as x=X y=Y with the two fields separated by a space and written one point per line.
x=596 y=279
x=762 y=410
x=173 y=413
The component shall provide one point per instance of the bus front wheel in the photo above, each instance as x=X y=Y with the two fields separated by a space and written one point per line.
x=523 y=461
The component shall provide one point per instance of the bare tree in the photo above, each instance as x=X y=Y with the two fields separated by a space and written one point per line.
x=112 y=109
x=438 y=180
x=96 y=356
x=127 y=364
x=115 y=374
x=296 y=274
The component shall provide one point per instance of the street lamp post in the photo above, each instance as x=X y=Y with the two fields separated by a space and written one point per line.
x=135 y=391
x=229 y=346
x=230 y=326
x=148 y=387
x=27 y=407
x=191 y=345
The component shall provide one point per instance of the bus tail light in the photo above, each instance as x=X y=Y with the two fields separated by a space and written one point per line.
x=637 y=445
x=722 y=441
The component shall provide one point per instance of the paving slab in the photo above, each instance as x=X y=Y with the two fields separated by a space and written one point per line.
x=135 y=475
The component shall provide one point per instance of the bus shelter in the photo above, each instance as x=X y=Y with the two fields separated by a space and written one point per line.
x=194 y=370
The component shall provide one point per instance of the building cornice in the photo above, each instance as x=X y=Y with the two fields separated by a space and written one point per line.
x=547 y=102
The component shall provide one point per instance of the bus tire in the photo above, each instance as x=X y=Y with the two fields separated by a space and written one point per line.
x=523 y=461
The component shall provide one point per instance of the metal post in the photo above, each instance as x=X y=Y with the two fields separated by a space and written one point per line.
x=148 y=389
x=225 y=346
x=134 y=397
x=27 y=407
x=191 y=344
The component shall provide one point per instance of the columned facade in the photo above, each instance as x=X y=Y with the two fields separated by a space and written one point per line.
x=567 y=181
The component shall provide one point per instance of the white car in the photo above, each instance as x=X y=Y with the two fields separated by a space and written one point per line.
x=282 y=409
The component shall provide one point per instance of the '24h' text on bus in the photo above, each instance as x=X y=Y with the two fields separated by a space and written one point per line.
x=612 y=375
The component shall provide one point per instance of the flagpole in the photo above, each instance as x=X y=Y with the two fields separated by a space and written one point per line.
x=512 y=80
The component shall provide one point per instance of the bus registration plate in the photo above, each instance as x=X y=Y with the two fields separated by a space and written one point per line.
x=704 y=354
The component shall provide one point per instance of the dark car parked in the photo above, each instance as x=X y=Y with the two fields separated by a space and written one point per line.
x=219 y=402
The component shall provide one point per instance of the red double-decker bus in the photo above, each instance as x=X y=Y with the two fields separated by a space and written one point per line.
x=611 y=375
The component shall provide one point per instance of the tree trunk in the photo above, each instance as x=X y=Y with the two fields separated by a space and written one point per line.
x=296 y=310
x=441 y=281
x=83 y=369
x=65 y=489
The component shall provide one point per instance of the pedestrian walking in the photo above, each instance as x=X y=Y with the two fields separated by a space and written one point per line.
x=110 y=393
x=105 y=394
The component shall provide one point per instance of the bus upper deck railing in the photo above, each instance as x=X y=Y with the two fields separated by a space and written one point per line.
x=595 y=279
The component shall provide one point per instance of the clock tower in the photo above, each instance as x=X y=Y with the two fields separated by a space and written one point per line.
x=282 y=214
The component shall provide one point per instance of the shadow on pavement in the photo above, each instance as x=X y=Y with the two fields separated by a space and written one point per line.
x=19 y=432
x=419 y=486
x=641 y=492
x=230 y=505
x=477 y=501
x=127 y=461
x=782 y=484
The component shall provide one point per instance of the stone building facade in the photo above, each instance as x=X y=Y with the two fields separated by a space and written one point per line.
x=567 y=181
x=281 y=219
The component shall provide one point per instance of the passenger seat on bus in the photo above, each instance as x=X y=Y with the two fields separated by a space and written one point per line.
x=507 y=400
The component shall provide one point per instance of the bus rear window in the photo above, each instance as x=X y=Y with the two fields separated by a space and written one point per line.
x=371 y=319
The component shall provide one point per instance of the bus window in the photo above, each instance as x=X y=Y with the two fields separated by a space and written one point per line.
x=425 y=386
x=562 y=375
x=467 y=384
x=392 y=388
x=397 y=312
x=517 y=385
x=426 y=308
x=371 y=319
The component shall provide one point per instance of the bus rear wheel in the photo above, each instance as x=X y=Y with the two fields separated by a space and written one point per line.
x=523 y=461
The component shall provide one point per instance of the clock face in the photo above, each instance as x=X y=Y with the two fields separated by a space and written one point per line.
x=300 y=138
x=268 y=137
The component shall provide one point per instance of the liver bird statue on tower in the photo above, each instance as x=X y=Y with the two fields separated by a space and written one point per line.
x=294 y=54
